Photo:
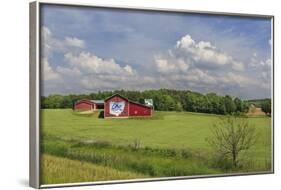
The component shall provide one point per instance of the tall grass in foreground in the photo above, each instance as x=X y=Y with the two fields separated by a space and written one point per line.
x=145 y=161
x=57 y=170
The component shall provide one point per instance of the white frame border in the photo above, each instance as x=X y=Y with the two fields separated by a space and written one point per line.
x=34 y=132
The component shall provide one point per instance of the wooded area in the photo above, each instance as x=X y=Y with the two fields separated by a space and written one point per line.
x=163 y=100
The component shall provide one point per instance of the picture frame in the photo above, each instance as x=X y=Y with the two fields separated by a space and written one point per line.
x=37 y=83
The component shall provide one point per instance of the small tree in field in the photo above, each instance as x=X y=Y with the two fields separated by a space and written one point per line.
x=232 y=135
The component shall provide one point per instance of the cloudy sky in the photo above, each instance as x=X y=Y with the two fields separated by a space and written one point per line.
x=90 y=49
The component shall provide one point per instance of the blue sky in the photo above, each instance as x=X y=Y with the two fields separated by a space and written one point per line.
x=91 y=49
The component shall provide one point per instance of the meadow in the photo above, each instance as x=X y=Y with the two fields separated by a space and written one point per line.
x=167 y=144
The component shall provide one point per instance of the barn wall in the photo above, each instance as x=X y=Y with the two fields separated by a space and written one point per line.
x=83 y=106
x=138 y=110
x=125 y=113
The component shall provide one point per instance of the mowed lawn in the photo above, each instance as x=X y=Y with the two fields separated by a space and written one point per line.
x=165 y=130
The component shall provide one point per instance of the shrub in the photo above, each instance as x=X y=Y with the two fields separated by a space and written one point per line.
x=101 y=114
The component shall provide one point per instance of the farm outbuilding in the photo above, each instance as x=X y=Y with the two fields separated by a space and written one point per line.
x=117 y=106
x=86 y=105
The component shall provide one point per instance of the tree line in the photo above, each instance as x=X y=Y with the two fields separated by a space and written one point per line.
x=266 y=106
x=163 y=100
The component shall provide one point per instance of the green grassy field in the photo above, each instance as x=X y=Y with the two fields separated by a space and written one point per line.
x=168 y=144
x=59 y=170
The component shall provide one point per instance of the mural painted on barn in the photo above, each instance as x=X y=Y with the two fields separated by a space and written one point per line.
x=116 y=106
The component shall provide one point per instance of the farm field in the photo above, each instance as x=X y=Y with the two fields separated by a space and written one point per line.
x=60 y=170
x=167 y=144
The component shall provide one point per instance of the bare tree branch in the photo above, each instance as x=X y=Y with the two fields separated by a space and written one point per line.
x=232 y=135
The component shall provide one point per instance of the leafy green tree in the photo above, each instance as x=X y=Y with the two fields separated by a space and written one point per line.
x=266 y=106
x=230 y=106
x=178 y=106
x=167 y=103
x=222 y=108
x=53 y=101
x=240 y=107
x=214 y=101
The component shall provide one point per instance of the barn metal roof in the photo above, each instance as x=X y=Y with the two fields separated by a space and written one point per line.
x=98 y=101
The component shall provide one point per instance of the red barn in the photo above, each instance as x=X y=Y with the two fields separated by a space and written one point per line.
x=85 y=105
x=117 y=106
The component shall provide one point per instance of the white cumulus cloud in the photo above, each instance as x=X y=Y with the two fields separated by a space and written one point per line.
x=189 y=64
x=83 y=70
x=53 y=44
x=48 y=72
x=90 y=63
x=204 y=67
x=205 y=53
x=168 y=65
x=74 y=42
